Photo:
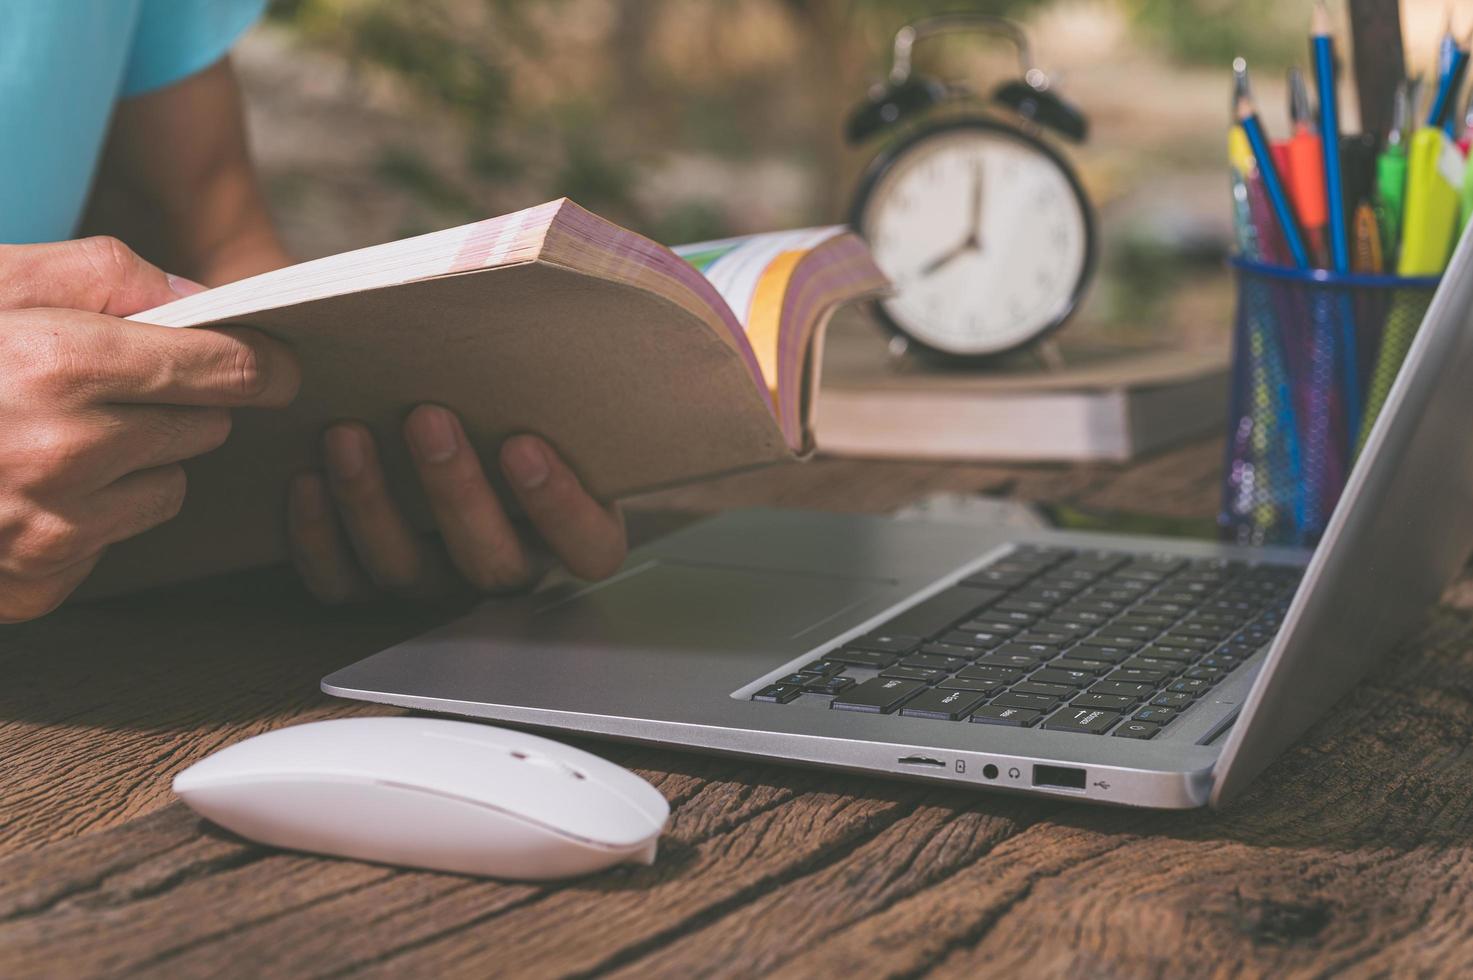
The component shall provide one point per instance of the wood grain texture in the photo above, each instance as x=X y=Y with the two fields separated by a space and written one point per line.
x=1353 y=854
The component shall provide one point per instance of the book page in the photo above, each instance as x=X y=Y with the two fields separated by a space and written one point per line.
x=752 y=274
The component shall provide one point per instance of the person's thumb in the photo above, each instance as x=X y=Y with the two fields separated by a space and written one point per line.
x=98 y=275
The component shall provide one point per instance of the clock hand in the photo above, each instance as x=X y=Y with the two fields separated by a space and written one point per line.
x=975 y=240
x=941 y=261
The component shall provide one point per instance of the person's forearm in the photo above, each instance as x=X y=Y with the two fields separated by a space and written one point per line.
x=177 y=184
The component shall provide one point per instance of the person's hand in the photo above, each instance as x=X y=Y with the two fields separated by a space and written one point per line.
x=350 y=540
x=96 y=414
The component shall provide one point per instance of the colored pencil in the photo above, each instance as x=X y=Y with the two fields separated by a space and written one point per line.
x=1272 y=183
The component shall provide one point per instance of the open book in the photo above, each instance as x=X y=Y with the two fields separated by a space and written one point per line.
x=643 y=366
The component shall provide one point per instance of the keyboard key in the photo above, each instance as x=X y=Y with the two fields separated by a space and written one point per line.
x=1083 y=720
x=1014 y=717
x=897 y=643
x=1106 y=702
x=1156 y=716
x=998 y=578
x=1041 y=651
x=1033 y=702
x=990 y=672
x=1139 y=675
x=1168 y=653
x=1071 y=678
x=828 y=685
x=1194 y=687
x=1017 y=661
x=954 y=650
x=913 y=674
x=1137 y=729
x=778 y=693
x=1169 y=667
x=985 y=688
x=1122 y=689
x=1117 y=632
x=1117 y=647
x=934 y=615
x=798 y=679
x=1038 y=606
x=881 y=695
x=933 y=661
x=1204 y=674
x=1182 y=641
x=1073 y=662
x=983 y=594
x=950 y=705
x=863 y=658
x=822 y=667
x=986 y=639
x=1172 y=700
x=1052 y=638
x=1033 y=686
x=1015 y=616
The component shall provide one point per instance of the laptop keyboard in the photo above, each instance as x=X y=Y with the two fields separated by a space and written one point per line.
x=1091 y=642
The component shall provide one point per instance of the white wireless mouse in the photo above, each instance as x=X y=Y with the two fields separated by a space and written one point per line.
x=430 y=793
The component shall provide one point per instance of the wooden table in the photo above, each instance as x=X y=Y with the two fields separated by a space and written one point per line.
x=1353 y=853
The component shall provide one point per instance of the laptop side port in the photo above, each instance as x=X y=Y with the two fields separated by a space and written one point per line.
x=1063 y=777
x=921 y=760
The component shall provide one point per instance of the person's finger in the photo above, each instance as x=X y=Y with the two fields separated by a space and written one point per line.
x=139 y=502
x=98 y=275
x=481 y=542
x=387 y=547
x=84 y=357
x=85 y=527
x=587 y=536
x=24 y=599
x=227 y=368
x=319 y=550
x=143 y=437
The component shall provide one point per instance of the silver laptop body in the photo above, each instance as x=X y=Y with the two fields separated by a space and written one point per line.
x=672 y=649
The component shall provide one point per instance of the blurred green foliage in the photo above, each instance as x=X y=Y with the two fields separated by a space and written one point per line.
x=589 y=97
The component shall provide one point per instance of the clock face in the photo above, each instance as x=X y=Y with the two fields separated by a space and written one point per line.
x=985 y=235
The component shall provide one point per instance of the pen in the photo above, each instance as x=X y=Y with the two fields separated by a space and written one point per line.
x=1323 y=49
x=1322 y=46
x=1267 y=172
x=1304 y=169
x=1449 y=84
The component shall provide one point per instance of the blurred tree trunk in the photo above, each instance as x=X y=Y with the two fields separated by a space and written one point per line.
x=835 y=72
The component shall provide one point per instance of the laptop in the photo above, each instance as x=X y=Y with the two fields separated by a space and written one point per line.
x=1118 y=669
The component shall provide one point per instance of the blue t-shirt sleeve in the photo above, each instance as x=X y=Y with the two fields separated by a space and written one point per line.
x=177 y=38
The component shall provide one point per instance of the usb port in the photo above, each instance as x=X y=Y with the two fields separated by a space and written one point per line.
x=1064 y=777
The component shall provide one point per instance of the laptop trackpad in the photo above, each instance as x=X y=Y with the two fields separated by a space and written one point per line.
x=692 y=606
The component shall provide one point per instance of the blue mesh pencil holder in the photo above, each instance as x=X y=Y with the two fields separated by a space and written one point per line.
x=1314 y=356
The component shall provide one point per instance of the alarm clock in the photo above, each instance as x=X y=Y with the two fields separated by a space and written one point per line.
x=981 y=225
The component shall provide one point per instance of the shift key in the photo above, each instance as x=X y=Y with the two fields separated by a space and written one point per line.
x=880 y=695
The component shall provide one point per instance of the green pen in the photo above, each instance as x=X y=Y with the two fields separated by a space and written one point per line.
x=1391 y=171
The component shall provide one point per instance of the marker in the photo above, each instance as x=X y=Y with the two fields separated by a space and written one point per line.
x=1391 y=170
x=1304 y=168
x=1323 y=49
x=1467 y=202
x=1253 y=129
